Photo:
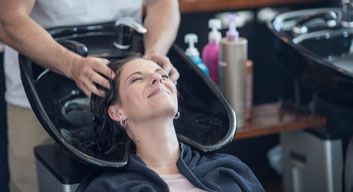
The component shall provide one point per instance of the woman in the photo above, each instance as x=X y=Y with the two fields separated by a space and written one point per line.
x=143 y=104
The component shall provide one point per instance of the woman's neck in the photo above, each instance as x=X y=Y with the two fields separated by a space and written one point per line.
x=157 y=145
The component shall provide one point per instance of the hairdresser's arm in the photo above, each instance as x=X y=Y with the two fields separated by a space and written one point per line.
x=22 y=33
x=162 y=22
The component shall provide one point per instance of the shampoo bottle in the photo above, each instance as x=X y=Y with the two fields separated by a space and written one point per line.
x=193 y=53
x=210 y=51
x=232 y=58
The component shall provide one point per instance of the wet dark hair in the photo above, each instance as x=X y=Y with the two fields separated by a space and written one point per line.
x=109 y=134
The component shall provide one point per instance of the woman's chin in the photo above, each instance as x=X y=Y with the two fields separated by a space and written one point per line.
x=166 y=112
x=163 y=103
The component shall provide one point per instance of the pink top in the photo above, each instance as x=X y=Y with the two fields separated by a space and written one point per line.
x=178 y=182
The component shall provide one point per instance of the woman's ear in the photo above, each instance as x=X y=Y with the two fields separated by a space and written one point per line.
x=115 y=113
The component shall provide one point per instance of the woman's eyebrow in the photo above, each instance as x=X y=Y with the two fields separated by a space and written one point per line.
x=158 y=70
x=135 y=73
x=140 y=73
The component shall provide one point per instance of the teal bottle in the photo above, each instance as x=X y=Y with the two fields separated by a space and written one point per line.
x=194 y=54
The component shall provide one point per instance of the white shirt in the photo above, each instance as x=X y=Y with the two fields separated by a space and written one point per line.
x=179 y=183
x=55 y=13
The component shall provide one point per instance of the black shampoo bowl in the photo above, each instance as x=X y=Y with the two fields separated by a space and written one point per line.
x=329 y=55
x=207 y=121
x=317 y=50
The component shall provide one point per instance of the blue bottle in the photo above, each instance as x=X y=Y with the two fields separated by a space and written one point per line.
x=193 y=53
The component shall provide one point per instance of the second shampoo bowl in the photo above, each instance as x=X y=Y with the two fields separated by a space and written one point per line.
x=317 y=51
x=329 y=54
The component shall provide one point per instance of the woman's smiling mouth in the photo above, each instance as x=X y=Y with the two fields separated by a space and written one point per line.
x=157 y=91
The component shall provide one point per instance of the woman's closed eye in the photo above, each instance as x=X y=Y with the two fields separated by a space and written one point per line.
x=136 y=79
x=139 y=77
x=165 y=76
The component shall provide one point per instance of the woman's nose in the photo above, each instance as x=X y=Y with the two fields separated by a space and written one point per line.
x=155 y=78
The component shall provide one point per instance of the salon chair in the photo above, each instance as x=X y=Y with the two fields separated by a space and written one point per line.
x=207 y=121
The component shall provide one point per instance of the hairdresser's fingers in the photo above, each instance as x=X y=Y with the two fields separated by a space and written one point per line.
x=87 y=71
x=93 y=89
x=174 y=74
x=169 y=68
x=165 y=63
x=83 y=88
x=99 y=79
x=101 y=66
x=161 y=60
x=80 y=82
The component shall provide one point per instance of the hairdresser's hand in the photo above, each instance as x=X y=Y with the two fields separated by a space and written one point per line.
x=165 y=63
x=88 y=71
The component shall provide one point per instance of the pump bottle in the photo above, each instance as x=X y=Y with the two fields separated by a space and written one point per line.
x=210 y=51
x=193 y=53
x=232 y=58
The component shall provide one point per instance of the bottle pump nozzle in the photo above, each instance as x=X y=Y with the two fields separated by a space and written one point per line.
x=214 y=35
x=232 y=33
x=191 y=39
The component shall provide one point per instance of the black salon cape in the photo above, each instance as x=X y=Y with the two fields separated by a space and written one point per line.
x=209 y=171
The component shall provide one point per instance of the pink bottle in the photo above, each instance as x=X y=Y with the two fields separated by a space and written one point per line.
x=210 y=51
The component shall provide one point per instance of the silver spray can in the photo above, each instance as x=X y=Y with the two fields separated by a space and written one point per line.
x=232 y=63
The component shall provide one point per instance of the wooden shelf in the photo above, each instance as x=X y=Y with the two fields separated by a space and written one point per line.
x=192 y=6
x=270 y=119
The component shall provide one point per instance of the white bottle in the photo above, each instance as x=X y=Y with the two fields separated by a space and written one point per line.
x=232 y=59
x=193 y=53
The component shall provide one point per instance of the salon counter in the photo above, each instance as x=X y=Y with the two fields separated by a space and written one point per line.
x=270 y=119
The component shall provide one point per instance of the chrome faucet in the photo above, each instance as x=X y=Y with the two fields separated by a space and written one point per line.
x=124 y=30
x=347 y=13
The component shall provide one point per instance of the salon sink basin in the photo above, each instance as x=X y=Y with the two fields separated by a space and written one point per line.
x=207 y=122
x=317 y=51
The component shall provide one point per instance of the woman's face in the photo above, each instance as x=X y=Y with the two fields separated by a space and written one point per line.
x=145 y=91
